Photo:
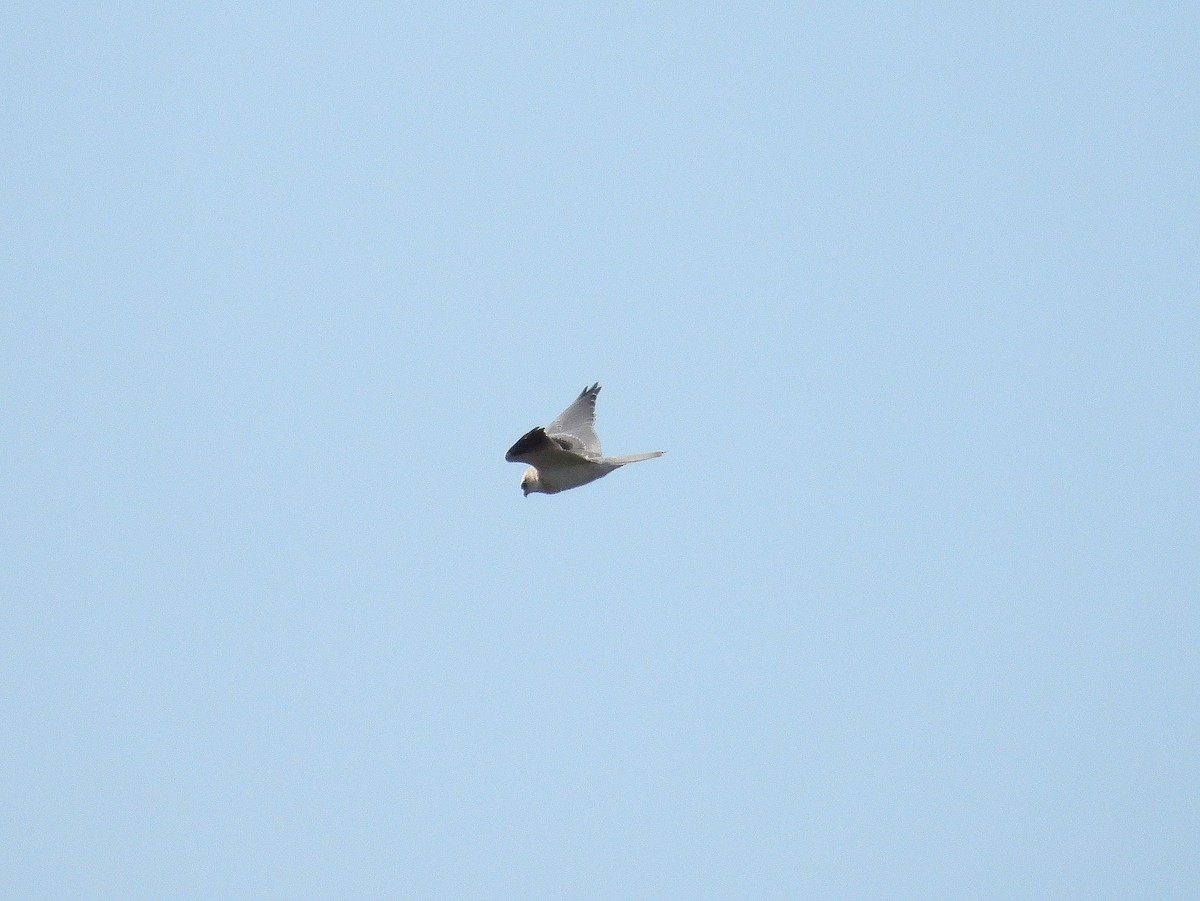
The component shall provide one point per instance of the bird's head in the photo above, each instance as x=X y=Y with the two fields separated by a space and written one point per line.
x=530 y=482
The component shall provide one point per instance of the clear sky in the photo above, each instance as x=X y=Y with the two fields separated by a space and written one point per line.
x=909 y=295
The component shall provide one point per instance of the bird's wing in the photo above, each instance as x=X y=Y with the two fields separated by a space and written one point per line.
x=576 y=425
x=538 y=449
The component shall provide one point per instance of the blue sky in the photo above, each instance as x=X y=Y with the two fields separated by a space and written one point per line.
x=909 y=297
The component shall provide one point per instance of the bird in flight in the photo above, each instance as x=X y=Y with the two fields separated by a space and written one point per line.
x=566 y=453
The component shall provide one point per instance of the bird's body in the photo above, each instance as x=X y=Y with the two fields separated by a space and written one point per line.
x=566 y=453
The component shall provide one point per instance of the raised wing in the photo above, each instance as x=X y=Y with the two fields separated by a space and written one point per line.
x=575 y=427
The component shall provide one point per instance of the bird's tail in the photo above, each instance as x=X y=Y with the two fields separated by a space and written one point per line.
x=633 y=458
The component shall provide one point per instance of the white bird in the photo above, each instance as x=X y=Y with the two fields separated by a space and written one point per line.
x=566 y=453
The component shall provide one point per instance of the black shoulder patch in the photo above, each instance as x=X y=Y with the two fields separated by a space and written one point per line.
x=532 y=441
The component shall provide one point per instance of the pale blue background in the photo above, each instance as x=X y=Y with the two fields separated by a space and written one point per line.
x=907 y=293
